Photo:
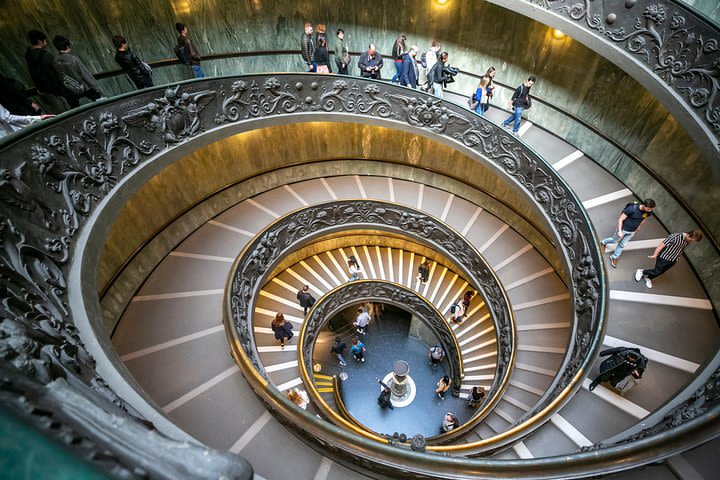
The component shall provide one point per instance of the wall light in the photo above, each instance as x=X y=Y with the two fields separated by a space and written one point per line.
x=441 y=2
x=558 y=34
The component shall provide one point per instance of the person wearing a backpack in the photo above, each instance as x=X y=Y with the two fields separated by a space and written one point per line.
x=520 y=101
x=628 y=224
x=457 y=312
x=427 y=61
x=74 y=75
x=305 y=299
x=186 y=53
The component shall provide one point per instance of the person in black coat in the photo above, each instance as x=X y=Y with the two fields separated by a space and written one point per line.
x=410 y=72
x=384 y=398
x=623 y=361
x=138 y=71
x=15 y=98
x=305 y=298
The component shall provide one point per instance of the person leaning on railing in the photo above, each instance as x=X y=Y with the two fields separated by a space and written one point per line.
x=10 y=123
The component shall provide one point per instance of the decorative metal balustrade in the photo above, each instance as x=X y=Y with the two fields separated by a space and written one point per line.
x=664 y=40
x=62 y=177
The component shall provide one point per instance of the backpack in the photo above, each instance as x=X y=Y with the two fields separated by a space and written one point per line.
x=453 y=307
x=182 y=55
x=423 y=60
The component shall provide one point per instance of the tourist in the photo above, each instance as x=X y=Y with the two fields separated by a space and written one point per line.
x=190 y=51
x=628 y=224
x=342 y=52
x=371 y=63
x=481 y=96
x=450 y=422
x=75 y=77
x=322 y=57
x=490 y=88
x=520 y=101
x=362 y=321
x=138 y=71
x=320 y=34
x=305 y=299
x=358 y=350
x=15 y=98
x=409 y=69
x=354 y=268
x=43 y=74
x=423 y=271
x=666 y=255
x=338 y=348
x=428 y=60
x=385 y=395
x=10 y=123
x=623 y=362
x=307 y=48
x=435 y=355
x=398 y=51
x=442 y=386
x=457 y=312
x=283 y=330
x=467 y=298
x=298 y=397
x=438 y=76
x=475 y=397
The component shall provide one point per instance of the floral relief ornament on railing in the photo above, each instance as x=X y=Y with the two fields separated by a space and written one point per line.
x=676 y=45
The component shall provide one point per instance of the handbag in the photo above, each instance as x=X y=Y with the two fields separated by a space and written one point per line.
x=346 y=57
x=472 y=103
x=147 y=68
x=72 y=85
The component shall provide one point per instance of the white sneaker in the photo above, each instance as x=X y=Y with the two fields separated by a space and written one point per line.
x=638 y=274
x=648 y=282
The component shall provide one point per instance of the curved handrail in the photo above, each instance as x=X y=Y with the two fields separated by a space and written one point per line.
x=392 y=293
x=344 y=412
x=715 y=242
x=74 y=166
x=251 y=268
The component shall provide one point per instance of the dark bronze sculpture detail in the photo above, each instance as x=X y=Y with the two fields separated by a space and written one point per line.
x=56 y=174
x=672 y=41
x=290 y=232
x=83 y=423
x=354 y=293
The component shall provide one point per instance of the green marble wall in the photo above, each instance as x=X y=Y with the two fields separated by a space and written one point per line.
x=477 y=35
x=709 y=8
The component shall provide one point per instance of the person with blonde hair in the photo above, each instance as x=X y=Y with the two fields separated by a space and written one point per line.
x=282 y=329
x=481 y=96
x=298 y=397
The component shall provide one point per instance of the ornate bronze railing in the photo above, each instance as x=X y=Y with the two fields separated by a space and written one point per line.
x=391 y=293
x=66 y=178
x=288 y=233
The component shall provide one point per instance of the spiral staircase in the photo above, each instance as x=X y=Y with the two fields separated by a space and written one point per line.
x=210 y=376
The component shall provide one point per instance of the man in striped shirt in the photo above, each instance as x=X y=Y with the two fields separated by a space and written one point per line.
x=666 y=255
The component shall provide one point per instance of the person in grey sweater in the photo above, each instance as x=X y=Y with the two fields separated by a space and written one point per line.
x=68 y=65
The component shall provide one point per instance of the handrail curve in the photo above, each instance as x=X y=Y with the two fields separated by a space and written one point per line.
x=63 y=174
x=400 y=296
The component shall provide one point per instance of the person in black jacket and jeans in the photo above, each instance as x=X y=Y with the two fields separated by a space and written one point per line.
x=44 y=76
x=138 y=71
x=67 y=64
x=519 y=102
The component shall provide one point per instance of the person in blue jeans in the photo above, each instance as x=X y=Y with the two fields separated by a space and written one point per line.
x=358 y=350
x=185 y=42
x=520 y=101
x=628 y=224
